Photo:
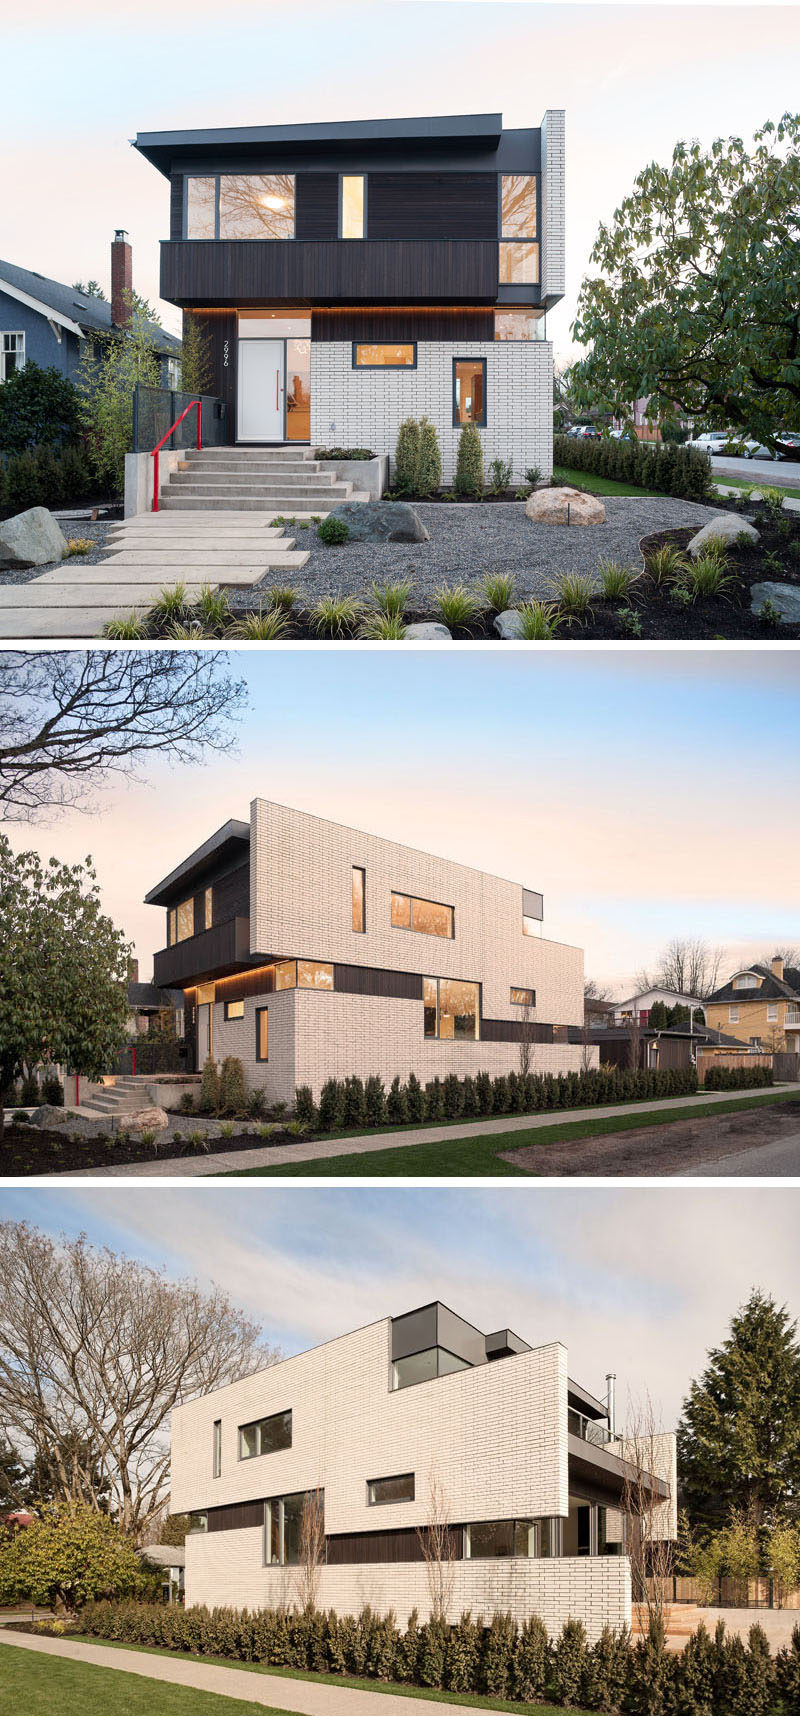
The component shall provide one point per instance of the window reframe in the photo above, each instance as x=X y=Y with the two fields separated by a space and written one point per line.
x=257 y=1424
x=405 y=367
x=392 y=1478
x=260 y=238
x=262 y=1059
x=350 y=239
x=475 y=422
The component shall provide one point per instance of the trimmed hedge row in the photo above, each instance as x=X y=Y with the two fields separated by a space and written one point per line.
x=737 y=1078
x=500 y=1660
x=353 y=1102
x=667 y=468
x=45 y=476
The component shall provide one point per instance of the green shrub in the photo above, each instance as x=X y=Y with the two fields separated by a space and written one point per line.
x=375 y=1101
x=415 y=1100
x=530 y=1664
x=407 y=457
x=335 y=616
x=469 y=462
x=498 y=590
x=257 y=1103
x=538 y=621
x=429 y=463
x=232 y=1087
x=354 y=1111
x=500 y=1094
x=570 y=1664
x=433 y=1648
x=343 y=453
x=331 y=1105
x=469 y=1097
x=483 y=1093
x=208 y=1102
x=667 y=469
x=463 y=1654
x=186 y=1102
x=499 y=1650
x=37 y=407
x=456 y=605
x=333 y=531
x=737 y=1078
x=396 y=1104
x=499 y=476
x=434 y=1099
x=453 y=1096
x=53 y=1090
x=30 y=1095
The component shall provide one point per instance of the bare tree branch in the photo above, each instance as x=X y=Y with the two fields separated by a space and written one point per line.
x=438 y=1544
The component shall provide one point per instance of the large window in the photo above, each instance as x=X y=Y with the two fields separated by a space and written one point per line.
x=424 y=1366
x=469 y=390
x=265 y=1436
x=520 y=325
x=12 y=355
x=381 y=1491
x=519 y=252
x=352 y=206
x=428 y=917
x=283 y=1526
x=240 y=205
x=384 y=356
x=359 y=902
x=450 y=1009
x=501 y=1538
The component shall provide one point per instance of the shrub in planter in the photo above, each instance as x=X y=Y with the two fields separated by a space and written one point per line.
x=331 y=1105
x=354 y=1112
x=415 y=1100
x=232 y=1088
x=375 y=1101
x=499 y=1649
x=469 y=462
x=396 y=1106
x=452 y=1096
x=429 y=462
x=406 y=457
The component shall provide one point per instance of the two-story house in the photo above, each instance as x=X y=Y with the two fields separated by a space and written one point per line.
x=347 y=276
x=761 y=1004
x=311 y=950
x=414 y=1421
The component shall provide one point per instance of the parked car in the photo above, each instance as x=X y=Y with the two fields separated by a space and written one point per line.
x=757 y=450
x=584 y=432
x=622 y=435
x=711 y=441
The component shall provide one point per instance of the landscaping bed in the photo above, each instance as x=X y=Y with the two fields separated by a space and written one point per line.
x=26 y=1151
x=75 y=529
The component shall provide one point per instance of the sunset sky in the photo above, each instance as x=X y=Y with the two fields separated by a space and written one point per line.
x=646 y=793
x=82 y=81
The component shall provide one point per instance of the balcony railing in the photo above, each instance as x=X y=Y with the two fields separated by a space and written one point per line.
x=329 y=271
x=588 y=1429
x=213 y=953
x=792 y=1016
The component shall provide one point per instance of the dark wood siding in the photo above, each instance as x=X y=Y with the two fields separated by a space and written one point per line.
x=236 y=1516
x=346 y=271
x=514 y=1031
x=440 y=323
x=432 y=205
x=368 y=980
x=316 y=206
x=354 y=1549
x=176 y=206
x=220 y=332
x=213 y=953
x=232 y=894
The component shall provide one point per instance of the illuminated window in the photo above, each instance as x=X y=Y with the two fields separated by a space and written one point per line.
x=450 y=1009
x=522 y=997
x=185 y=920
x=384 y=356
x=201 y=207
x=352 y=205
x=262 y=1033
x=519 y=253
x=286 y=974
x=469 y=390
x=519 y=264
x=234 y=1009
x=265 y=1436
x=359 y=905
x=519 y=325
x=425 y=916
x=313 y=975
x=208 y=904
x=256 y=205
x=172 y=927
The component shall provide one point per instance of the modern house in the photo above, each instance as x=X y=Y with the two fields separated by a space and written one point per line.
x=377 y=1435
x=762 y=1002
x=45 y=322
x=348 y=276
x=311 y=950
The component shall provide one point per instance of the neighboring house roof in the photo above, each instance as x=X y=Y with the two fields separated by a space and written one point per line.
x=70 y=309
x=142 y=996
x=700 y=1034
x=771 y=988
x=675 y=997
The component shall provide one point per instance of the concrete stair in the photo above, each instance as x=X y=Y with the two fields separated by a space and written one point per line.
x=124 y=1096
x=254 y=479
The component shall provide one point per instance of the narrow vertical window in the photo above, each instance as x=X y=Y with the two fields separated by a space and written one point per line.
x=217 y=1466
x=208 y=904
x=359 y=916
x=172 y=927
x=262 y=1033
x=352 y=208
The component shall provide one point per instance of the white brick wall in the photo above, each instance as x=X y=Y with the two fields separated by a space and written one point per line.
x=553 y=213
x=364 y=408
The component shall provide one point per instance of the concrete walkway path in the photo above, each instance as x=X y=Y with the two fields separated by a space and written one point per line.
x=306 y=1697
x=790 y=504
x=227 y=1161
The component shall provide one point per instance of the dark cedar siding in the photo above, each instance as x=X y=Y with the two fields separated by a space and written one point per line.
x=368 y=980
x=432 y=205
x=232 y=894
x=316 y=206
x=439 y=323
x=236 y=1516
x=357 y=1548
x=515 y=1031
x=219 y=329
x=213 y=953
x=176 y=206
x=389 y=271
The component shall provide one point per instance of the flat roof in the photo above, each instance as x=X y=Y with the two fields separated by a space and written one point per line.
x=480 y=128
x=228 y=838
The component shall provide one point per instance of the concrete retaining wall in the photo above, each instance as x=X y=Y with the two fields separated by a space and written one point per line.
x=139 y=478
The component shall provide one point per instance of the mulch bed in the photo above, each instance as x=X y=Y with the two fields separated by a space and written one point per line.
x=30 y=1150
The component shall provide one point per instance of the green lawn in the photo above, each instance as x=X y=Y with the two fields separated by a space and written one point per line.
x=601 y=485
x=473 y=1700
x=753 y=483
x=480 y=1155
x=54 y=1686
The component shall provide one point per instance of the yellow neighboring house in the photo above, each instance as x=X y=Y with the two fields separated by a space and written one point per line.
x=760 y=1004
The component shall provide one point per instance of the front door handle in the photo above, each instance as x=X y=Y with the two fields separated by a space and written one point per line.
x=277 y=389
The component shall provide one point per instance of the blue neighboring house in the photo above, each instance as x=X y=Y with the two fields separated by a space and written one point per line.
x=45 y=322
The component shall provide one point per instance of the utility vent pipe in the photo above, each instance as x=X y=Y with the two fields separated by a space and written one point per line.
x=611 y=1401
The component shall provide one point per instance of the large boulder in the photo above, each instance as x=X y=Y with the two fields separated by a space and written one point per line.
x=31 y=538
x=564 y=506
x=47 y=1116
x=431 y=629
x=729 y=527
x=381 y=521
x=146 y=1120
x=785 y=598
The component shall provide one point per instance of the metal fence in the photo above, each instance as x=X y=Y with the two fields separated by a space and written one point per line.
x=155 y=410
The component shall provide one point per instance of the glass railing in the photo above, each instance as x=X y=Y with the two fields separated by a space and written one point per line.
x=588 y=1429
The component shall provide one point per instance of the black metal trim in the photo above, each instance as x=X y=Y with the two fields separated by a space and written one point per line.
x=477 y=422
x=382 y=366
x=262 y=1059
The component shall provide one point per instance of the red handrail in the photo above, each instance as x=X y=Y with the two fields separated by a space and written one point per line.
x=156 y=450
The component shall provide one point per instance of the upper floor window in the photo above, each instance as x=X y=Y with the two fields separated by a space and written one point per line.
x=352 y=205
x=469 y=390
x=772 y=1012
x=519 y=251
x=733 y=1015
x=384 y=356
x=424 y=1366
x=240 y=205
x=520 y=325
x=208 y=907
x=180 y=922
x=747 y=981
x=265 y=1436
x=425 y=916
x=531 y=926
x=359 y=903
x=383 y=1490
x=12 y=355
x=450 y=1008
x=217 y=1449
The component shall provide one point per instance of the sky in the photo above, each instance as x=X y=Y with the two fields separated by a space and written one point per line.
x=633 y=79
x=646 y=793
x=637 y=1281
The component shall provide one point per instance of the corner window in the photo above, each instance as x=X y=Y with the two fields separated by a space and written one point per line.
x=262 y=1033
x=311 y=974
x=381 y=1491
x=352 y=205
x=359 y=881
x=522 y=998
x=520 y=325
x=427 y=917
x=217 y=1449
x=12 y=355
x=288 y=1521
x=469 y=391
x=500 y=1539
x=265 y=1436
x=424 y=1366
x=384 y=356
x=450 y=1009
x=234 y=1009
x=198 y=1522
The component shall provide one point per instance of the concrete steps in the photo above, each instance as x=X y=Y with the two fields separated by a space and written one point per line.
x=253 y=479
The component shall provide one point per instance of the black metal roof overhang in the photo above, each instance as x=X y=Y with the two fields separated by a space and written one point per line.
x=231 y=840
x=605 y=1472
x=464 y=131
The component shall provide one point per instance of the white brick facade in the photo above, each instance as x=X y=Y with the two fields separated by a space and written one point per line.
x=365 y=407
x=554 y=282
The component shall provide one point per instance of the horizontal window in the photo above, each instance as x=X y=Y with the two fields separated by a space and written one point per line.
x=747 y=982
x=265 y=1436
x=450 y=1009
x=381 y=1491
x=424 y=1366
x=240 y=205
x=427 y=917
x=234 y=1009
x=519 y=263
x=469 y=390
x=198 y=1522
x=519 y=325
x=500 y=1538
x=294 y=1528
x=384 y=357
x=352 y=205
x=522 y=997
x=312 y=975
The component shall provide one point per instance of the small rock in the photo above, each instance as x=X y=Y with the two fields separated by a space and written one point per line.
x=428 y=629
x=31 y=538
x=564 y=506
x=727 y=528
x=508 y=624
x=381 y=521
x=784 y=597
x=146 y=1120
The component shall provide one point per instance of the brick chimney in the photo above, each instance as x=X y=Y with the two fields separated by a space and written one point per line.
x=777 y=967
x=121 y=279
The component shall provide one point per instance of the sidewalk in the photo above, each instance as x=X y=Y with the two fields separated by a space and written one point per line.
x=305 y=1697
x=223 y=1161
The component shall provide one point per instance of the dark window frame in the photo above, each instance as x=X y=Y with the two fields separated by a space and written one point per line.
x=409 y=928
x=477 y=422
x=406 y=367
x=391 y=1501
x=522 y=988
x=262 y=1059
x=261 y=239
x=365 y=178
x=265 y=1419
x=216 y=1451
x=229 y=1004
x=436 y=1036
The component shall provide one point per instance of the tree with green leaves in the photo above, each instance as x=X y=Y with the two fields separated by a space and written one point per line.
x=38 y=408
x=197 y=372
x=110 y=370
x=92 y=290
x=63 y=968
x=694 y=302
x=68 y=1557
x=739 y=1433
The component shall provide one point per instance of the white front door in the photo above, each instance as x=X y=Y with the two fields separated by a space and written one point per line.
x=204 y=1046
x=261 y=390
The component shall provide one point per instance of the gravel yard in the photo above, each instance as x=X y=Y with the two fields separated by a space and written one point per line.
x=86 y=530
x=469 y=539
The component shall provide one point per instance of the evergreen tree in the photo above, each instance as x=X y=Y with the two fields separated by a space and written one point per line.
x=739 y=1434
